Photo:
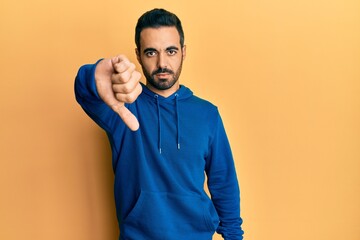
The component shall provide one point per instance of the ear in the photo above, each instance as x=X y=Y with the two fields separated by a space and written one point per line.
x=184 y=51
x=138 y=55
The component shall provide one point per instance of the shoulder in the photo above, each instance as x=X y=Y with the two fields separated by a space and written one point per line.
x=201 y=110
x=202 y=103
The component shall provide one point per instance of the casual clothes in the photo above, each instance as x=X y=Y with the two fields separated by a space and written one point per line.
x=160 y=168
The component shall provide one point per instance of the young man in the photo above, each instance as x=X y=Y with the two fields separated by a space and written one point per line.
x=163 y=140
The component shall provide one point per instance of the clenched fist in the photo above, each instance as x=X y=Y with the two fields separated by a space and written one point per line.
x=117 y=83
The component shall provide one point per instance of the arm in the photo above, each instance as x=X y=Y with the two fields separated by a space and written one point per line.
x=223 y=185
x=102 y=89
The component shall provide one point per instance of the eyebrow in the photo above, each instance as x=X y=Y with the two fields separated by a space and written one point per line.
x=154 y=50
x=172 y=48
x=149 y=50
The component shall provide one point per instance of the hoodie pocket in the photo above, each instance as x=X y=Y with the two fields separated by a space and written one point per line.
x=161 y=213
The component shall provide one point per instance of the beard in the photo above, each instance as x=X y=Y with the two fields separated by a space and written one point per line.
x=162 y=83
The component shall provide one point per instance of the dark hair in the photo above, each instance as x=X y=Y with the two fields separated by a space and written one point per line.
x=157 y=18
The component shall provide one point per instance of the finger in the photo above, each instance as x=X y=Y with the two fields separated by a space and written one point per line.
x=120 y=63
x=124 y=88
x=129 y=97
x=123 y=77
x=129 y=86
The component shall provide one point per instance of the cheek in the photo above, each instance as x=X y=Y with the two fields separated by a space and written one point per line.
x=148 y=66
x=176 y=64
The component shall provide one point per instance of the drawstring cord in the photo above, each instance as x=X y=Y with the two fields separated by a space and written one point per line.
x=159 y=120
x=177 y=120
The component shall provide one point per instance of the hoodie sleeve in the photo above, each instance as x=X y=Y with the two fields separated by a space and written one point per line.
x=87 y=96
x=223 y=184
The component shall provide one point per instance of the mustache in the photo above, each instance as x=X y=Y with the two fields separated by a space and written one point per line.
x=162 y=70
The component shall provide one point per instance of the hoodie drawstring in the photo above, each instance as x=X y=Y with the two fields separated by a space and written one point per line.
x=177 y=121
x=159 y=120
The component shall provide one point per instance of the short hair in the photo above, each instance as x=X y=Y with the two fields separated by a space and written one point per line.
x=157 y=18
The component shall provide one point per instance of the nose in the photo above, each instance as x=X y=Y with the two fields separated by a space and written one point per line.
x=162 y=63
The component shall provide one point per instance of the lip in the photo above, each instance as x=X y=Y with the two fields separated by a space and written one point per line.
x=162 y=74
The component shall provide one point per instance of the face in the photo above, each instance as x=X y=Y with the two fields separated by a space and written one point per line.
x=161 y=57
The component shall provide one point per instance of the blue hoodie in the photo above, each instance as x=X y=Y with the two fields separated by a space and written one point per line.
x=160 y=168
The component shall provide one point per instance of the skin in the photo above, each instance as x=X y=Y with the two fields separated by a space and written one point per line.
x=160 y=55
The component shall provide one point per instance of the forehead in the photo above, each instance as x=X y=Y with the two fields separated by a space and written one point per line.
x=162 y=37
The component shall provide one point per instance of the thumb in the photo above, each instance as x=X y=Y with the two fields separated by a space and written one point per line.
x=129 y=119
x=106 y=93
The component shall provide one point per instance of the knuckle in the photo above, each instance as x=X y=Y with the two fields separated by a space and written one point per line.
x=121 y=67
x=126 y=98
x=132 y=66
x=130 y=98
x=125 y=76
x=135 y=77
x=115 y=88
x=126 y=88
x=118 y=96
x=139 y=88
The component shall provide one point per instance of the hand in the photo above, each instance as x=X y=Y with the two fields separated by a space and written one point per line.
x=117 y=83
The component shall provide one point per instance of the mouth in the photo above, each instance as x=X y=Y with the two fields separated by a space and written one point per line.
x=161 y=75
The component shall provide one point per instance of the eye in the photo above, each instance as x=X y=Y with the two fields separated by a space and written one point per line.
x=150 y=53
x=171 y=52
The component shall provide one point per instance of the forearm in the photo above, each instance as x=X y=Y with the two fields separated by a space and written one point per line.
x=87 y=96
x=223 y=185
x=225 y=195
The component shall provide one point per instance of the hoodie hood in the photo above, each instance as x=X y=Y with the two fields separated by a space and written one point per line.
x=174 y=100
x=182 y=93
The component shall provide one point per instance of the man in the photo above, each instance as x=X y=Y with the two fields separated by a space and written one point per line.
x=163 y=140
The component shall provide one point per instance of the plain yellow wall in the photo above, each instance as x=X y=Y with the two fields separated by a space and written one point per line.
x=284 y=74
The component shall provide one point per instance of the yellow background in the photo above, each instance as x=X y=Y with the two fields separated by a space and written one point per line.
x=285 y=75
